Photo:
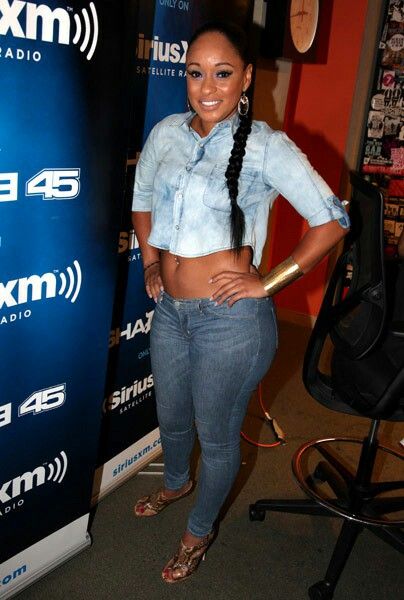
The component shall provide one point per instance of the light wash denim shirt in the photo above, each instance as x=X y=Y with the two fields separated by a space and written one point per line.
x=180 y=179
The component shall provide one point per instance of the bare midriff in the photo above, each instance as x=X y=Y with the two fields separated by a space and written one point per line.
x=189 y=277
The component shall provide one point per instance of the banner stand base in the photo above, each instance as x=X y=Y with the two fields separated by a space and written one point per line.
x=25 y=568
x=112 y=486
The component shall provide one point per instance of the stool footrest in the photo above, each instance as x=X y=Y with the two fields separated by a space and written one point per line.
x=308 y=507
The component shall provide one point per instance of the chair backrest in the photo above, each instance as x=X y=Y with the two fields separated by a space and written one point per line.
x=359 y=304
x=353 y=311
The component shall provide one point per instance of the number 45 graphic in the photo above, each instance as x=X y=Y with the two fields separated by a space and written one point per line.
x=37 y=403
x=43 y=400
x=54 y=184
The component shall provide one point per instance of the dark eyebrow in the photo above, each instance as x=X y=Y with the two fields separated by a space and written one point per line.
x=216 y=65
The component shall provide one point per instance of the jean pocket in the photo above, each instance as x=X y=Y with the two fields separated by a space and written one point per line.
x=162 y=309
x=246 y=308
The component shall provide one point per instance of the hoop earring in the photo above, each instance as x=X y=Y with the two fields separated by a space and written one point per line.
x=243 y=105
x=189 y=105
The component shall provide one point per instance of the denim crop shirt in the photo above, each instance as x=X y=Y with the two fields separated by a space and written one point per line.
x=180 y=179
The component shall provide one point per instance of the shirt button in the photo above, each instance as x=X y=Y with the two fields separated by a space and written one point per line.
x=200 y=145
x=188 y=168
x=177 y=226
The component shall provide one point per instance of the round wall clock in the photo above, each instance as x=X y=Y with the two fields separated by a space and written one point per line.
x=297 y=30
x=303 y=17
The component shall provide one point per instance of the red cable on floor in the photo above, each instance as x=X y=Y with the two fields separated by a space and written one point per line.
x=279 y=434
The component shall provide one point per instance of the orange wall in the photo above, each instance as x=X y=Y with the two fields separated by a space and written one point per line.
x=317 y=118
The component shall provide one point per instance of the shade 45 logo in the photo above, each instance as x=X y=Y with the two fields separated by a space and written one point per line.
x=34 y=288
x=27 y=20
x=49 y=184
x=131 y=330
x=37 y=403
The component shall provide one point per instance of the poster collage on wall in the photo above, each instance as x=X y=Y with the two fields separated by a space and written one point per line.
x=383 y=152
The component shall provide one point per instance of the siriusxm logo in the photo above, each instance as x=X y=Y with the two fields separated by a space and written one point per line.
x=36 y=287
x=129 y=396
x=54 y=471
x=161 y=51
x=127 y=241
x=39 y=22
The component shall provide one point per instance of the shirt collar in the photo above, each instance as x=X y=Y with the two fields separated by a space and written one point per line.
x=231 y=122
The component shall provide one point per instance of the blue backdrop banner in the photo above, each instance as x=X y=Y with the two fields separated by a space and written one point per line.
x=130 y=436
x=65 y=72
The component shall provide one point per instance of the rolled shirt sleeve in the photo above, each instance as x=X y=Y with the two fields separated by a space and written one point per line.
x=288 y=170
x=144 y=177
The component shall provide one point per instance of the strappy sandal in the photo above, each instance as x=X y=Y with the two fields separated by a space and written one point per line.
x=187 y=560
x=152 y=505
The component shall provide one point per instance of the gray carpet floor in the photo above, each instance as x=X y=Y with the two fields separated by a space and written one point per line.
x=275 y=559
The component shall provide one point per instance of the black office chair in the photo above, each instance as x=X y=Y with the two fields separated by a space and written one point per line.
x=366 y=379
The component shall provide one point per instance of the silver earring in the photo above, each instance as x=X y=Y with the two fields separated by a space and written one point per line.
x=243 y=105
x=188 y=104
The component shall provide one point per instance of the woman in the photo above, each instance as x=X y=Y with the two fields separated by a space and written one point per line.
x=204 y=185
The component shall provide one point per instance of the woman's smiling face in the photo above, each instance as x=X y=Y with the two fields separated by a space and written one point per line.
x=216 y=78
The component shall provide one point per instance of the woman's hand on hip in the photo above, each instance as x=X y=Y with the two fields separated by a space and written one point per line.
x=234 y=286
x=153 y=282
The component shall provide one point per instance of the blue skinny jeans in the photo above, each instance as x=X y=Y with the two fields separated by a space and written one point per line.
x=206 y=362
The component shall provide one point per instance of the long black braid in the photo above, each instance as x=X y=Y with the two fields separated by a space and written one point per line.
x=237 y=221
x=239 y=41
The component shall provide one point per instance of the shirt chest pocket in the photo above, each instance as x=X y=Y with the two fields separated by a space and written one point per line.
x=216 y=194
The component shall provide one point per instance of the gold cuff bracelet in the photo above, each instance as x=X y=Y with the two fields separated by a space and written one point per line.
x=286 y=272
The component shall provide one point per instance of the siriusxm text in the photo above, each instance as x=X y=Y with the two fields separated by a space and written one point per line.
x=135 y=457
x=6 y=579
x=128 y=394
x=154 y=49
